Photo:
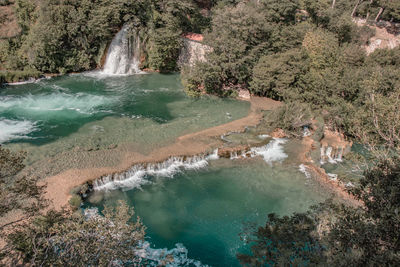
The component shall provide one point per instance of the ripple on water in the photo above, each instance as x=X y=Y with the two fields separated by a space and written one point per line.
x=54 y=105
x=14 y=129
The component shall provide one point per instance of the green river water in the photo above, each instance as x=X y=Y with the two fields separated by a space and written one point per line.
x=88 y=120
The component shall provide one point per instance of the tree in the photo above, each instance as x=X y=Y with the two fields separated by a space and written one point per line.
x=242 y=33
x=292 y=118
x=18 y=192
x=365 y=236
x=285 y=241
x=25 y=11
x=275 y=74
x=336 y=234
x=64 y=239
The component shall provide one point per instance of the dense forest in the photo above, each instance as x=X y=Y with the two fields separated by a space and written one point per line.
x=307 y=53
x=71 y=36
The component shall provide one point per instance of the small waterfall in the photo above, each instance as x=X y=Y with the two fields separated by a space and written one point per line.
x=304 y=169
x=271 y=152
x=331 y=154
x=138 y=175
x=234 y=155
x=123 y=55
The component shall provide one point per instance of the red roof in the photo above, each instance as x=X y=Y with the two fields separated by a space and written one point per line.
x=193 y=36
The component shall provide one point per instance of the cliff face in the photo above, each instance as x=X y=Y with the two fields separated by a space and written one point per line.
x=192 y=51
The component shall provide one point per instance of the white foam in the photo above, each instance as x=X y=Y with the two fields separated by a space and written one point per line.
x=30 y=80
x=123 y=55
x=306 y=131
x=303 y=169
x=327 y=153
x=177 y=256
x=271 y=152
x=332 y=176
x=52 y=104
x=263 y=136
x=234 y=155
x=213 y=156
x=139 y=175
x=13 y=129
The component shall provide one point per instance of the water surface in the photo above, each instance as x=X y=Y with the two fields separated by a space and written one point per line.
x=69 y=121
x=52 y=109
x=208 y=210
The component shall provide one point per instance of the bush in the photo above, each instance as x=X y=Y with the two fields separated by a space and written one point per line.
x=18 y=75
x=164 y=47
x=75 y=202
x=292 y=118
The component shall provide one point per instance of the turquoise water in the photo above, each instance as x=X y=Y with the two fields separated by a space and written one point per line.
x=92 y=121
x=48 y=110
x=207 y=210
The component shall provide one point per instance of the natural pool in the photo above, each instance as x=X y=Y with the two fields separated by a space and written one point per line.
x=207 y=210
x=89 y=121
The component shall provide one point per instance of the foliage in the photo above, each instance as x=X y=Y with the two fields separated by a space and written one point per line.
x=11 y=76
x=358 y=94
x=164 y=49
x=239 y=35
x=64 y=239
x=362 y=236
x=285 y=241
x=365 y=236
x=273 y=74
x=25 y=11
x=10 y=163
x=292 y=117
x=79 y=27
x=166 y=21
x=18 y=192
x=70 y=35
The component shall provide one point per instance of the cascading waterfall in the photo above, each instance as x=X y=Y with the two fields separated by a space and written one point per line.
x=137 y=176
x=331 y=155
x=123 y=56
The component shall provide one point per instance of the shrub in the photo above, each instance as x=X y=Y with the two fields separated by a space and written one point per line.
x=292 y=118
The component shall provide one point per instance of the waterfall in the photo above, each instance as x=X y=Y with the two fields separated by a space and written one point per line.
x=331 y=154
x=138 y=175
x=123 y=55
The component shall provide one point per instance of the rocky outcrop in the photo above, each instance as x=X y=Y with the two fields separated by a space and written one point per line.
x=193 y=50
x=387 y=35
x=244 y=94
